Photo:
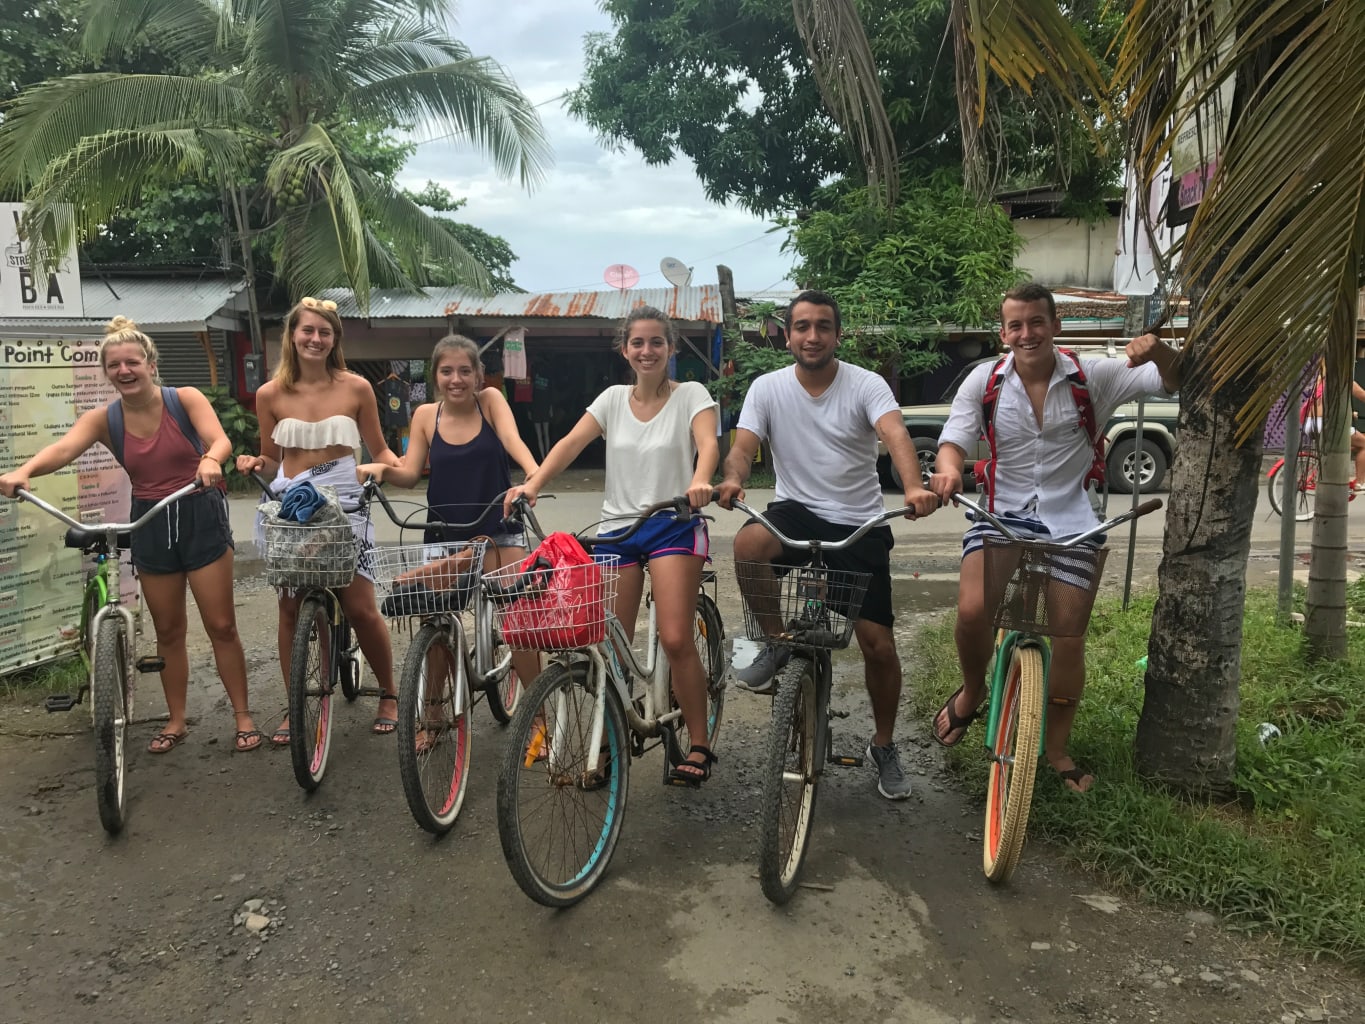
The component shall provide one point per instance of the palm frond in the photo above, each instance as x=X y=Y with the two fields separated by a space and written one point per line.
x=473 y=98
x=191 y=29
x=50 y=120
x=846 y=74
x=421 y=242
x=1030 y=46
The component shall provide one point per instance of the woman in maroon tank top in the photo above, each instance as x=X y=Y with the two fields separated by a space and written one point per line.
x=191 y=544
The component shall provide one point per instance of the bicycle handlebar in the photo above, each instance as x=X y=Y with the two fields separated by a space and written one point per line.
x=1151 y=505
x=819 y=545
x=109 y=528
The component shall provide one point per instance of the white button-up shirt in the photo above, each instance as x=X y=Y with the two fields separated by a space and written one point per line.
x=1040 y=469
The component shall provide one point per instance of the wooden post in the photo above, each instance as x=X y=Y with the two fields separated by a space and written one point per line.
x=730 y=323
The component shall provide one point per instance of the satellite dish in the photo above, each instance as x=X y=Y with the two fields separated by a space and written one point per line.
x=679 y=275
x=621 y=275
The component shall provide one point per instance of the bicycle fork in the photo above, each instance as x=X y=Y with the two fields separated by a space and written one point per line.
x=56 y=702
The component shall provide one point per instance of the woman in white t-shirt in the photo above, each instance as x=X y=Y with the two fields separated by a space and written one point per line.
x=661 y=442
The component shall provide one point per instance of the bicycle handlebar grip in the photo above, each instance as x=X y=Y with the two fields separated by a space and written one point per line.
x=261 y=483
x=1150 y=505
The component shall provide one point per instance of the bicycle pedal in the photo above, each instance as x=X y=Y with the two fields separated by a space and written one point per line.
x=60 y=702
x=151 y=663
x=846 y=760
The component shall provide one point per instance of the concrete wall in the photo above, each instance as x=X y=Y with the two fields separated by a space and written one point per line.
x=1069 y=253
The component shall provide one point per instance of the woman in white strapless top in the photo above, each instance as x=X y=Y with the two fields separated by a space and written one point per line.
x=313 y=415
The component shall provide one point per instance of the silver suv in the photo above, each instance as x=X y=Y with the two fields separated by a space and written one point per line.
x=1122 y=456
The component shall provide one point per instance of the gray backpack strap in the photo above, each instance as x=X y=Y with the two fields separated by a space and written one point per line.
x=115 y=413
x=181 y=417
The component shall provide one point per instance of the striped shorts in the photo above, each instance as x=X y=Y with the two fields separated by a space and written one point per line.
x=1075 y=567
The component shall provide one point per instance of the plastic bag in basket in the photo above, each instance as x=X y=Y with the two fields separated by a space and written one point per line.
x=562 y=605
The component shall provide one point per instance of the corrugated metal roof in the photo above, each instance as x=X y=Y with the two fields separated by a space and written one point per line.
x=146 y=300
x=699 y=302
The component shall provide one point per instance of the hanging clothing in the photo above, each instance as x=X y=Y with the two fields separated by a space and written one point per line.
x=514 y=353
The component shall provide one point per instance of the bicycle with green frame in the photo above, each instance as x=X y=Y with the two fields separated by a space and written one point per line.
x=108 y=648
x=1039 y=590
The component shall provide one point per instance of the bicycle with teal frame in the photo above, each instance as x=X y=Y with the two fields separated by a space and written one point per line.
x=108 y=649
x=1039 y=589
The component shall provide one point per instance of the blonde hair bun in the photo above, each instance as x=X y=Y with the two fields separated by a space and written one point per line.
x=119 y=324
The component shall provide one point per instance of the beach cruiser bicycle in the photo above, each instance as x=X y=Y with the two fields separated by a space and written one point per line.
x=108 y=646
x=598 y=704
x=456 y=656
x=1307 y=474
x=315 y=560
x=817 y=608
x=1038 y=589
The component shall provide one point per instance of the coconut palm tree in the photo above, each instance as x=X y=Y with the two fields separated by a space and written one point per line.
x=276 y=89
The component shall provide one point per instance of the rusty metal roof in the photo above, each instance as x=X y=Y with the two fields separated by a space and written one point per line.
x=696 y=303
x=151 y=302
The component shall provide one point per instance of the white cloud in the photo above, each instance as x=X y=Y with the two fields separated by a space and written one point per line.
x=596 y=207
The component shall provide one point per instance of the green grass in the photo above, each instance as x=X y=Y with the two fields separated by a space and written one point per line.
x=30 y=686
x=1289 y=859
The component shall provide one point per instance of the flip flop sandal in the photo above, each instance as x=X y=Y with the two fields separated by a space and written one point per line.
x=241 y=743
x=280 y=737
x=384 y=726
x=169 y=741
x=956 y=724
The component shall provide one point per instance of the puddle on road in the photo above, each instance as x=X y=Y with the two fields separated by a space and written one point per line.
x=925 y=593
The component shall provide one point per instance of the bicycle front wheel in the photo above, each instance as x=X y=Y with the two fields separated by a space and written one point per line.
x=789 y=781
x=708 y=633
x=489 y=650
x=433 y=727
x=561 y=803
x=312 y=676
x=1014 y=761
x=1306 y=475
x=109 y=701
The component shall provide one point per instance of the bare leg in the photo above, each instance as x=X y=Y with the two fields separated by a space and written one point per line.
x=973 y=636
x=676 y=581
x=882 y=675
x=755 y=550
x=284 y=638
x=357 y=601
x=1065 y=681
x=165 y=597
x=212 y=587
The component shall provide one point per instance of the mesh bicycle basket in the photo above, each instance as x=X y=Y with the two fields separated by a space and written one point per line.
x=553 y=609
x=1042 y=588
x=810 y=607
x=315 y=554
x=426 y=579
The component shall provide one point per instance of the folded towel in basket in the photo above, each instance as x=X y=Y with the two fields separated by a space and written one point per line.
x=300 y=502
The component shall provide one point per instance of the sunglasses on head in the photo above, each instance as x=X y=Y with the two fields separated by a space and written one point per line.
x=308 y=302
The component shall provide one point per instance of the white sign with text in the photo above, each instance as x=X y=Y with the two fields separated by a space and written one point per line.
x=24 y=293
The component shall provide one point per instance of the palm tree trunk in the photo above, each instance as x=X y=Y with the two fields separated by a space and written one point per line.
x=1186 y=735
x=1324 y=626
x=245 y=239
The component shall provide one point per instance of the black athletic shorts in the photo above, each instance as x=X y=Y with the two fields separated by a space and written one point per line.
x=192 y=533
x=871 y=553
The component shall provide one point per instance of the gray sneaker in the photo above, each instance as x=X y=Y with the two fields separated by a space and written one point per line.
x=892 y=781
x=759 y=674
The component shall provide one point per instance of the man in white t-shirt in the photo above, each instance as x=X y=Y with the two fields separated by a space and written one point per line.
x=821 y=420
x=1042 y=456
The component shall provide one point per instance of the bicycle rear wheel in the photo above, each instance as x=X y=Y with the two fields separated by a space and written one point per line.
x=789 y=782
x=1307 y=472
x=488 y=651
x=350 y=667
x=1014 y=761
x=433 y=727
x=110 y=679
x=561 y=804
x=313 y=672
x=708 y=633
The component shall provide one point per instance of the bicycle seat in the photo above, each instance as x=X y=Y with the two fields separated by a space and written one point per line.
x=85 y=540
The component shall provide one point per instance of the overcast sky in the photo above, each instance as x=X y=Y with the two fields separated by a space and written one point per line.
x=595 y=208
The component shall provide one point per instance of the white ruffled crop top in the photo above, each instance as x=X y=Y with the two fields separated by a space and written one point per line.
x=334 y=430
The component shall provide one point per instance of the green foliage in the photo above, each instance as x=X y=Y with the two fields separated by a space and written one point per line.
x=729 y=86
x=1287 y=859
x=281 y=119
x=239 y=422
x=493 y=251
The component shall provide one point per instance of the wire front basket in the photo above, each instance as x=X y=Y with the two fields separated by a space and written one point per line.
x=1042 y=588
x=311 y=555
x=553 y=609
x=808 y=607
x=426 y=579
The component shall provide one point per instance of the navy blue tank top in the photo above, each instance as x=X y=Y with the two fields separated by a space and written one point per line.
x=464 y=476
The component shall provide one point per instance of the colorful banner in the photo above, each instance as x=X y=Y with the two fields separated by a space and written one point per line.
x=45 y=383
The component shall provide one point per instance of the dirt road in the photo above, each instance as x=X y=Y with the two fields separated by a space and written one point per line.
x=369 y=919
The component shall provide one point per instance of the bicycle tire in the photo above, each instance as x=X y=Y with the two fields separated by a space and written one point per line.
x=435 y=777
x=488 y=651
x=787 y=803
x=96 y=597
x=1014 y=763
x=350 y=667
x=558 y=835
x=312 y=675
x=109 y=702
x=1308 y=471
x=708 y=633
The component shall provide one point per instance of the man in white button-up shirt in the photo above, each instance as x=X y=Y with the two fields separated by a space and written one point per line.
x=1042 y=454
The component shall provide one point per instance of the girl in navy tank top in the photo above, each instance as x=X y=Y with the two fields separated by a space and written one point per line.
x=468 y=433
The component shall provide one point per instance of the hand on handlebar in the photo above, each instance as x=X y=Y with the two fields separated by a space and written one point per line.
x=700 y=495
x=210 y=473
x=11 y=483
x=727 y=492
x=527 y=492
x=920 y=501
x=247 y=464
x=945 y=483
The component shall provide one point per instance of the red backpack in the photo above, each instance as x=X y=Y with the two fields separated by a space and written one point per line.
x=1085 y=410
